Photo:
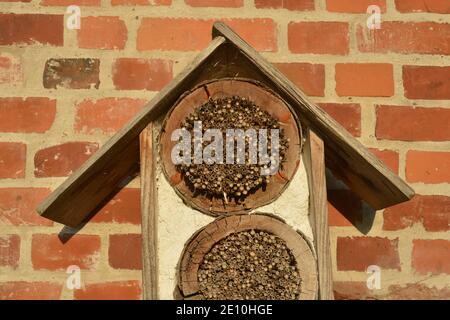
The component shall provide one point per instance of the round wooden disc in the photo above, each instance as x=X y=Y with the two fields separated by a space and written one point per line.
x=263 y=98
x=203 y=241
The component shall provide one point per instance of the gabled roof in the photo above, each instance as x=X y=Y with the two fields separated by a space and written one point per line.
x=100 y=177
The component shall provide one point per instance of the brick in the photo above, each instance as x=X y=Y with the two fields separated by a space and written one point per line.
x=350 y=290
x=354 y=6
x=184 y=34
x=141 y=74
x=102 y=33
x=48 y=252
x=9 y=251
x=358 y=253
x=215 y=3
x=426 y=82
x=347 y=114
x=318 y=37
x=12 y=160
x=141 y=2
x=61 y=160
x=297 y=5
x=116 y=290
x=432 y=6
x=344 y=208
x=105 y=115
x=18 y=206
x=432 y=211
x=428 y=166
x=76 y=73
x=412 y=124
x=10 y=70
x=307 y=76
x=405 y=37
x=27 y=115
x=365 y=79
x=389 y=157
x=23 y=290
x=417 y=291
x=67 y=3
x=47 y=29
x=124 y=207
x=431 y=256
x=125 y=251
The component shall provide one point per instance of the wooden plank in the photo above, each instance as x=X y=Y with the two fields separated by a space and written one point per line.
x=314 y=156
x=365 y=174
x=149 y=215
x=100 y=177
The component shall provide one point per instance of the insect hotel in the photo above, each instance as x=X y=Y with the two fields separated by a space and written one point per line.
x=232 y=160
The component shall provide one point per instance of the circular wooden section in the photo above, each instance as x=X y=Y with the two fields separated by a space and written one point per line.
x=263 y=98
x=202 y=242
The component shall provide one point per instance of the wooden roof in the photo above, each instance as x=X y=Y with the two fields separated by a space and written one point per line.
x=100 y=177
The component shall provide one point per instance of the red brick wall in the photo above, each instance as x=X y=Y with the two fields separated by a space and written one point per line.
x=64 y=92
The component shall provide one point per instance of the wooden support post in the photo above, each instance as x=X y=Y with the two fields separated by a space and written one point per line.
x=315 y=164
x=149 y=215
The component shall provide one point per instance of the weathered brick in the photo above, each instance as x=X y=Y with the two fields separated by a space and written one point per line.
x=75 y=73
x=10 y=70
x=12 y=160
x=365 y=79
x=350 y=290
x=389 y=157
x=61 y=160
x=347 y=114
x=115 y=290
x=102 y=33
x=215 y=3
x=27 y=114
x=413 y=124
x=9 y=251
x=23 y=290
x=125 y=207
x=428 y=166
x=48 y=252
x=358 y=253
x=318 y=37
x=405 y=37
x=431 y=256
x=433 y=212
x=67 y=3
x=141 y=74
x=432 y=6
x=296 y=5
x=307 y=76
x=354 y=6
x=31 y=29
x=106 y=115
x=184 y=34
x=417 y=291
x=426 y=82
x=141 y=2
x=18 y=206
x=125 y=251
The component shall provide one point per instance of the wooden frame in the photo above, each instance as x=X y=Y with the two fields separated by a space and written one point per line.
x=100 y=177
x=314 y=156
x=149 y=214
x=129 y=151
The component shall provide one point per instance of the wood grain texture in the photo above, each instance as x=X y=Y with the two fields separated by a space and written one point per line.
x=100 y=177
x=314 y=155
x=149 y=214
x=203 y=241
x=349 y=160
